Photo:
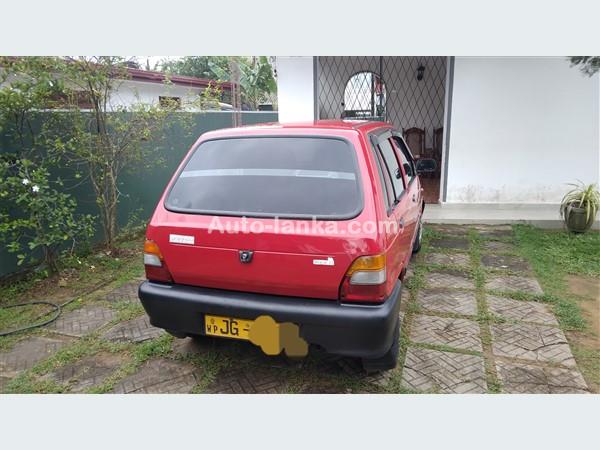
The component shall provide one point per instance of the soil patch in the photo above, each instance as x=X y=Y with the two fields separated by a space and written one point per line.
x=586 y=345
x=589 y=290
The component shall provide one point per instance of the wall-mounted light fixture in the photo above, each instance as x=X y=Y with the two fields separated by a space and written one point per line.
x=420 y=72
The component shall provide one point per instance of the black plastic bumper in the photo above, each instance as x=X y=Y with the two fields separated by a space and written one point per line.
x=351 y=330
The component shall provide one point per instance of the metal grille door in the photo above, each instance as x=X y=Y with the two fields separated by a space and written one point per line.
x=407 y=91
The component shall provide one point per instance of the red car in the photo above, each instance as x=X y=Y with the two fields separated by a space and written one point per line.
x=312 y=224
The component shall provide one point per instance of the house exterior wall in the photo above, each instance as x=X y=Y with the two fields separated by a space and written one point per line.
x=520 y=128
x=129 y=92
x=295 y=88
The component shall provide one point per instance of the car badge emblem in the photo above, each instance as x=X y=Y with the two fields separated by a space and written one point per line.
x=246 y=256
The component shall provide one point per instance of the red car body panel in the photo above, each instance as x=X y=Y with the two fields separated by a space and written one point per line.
x=282 y=263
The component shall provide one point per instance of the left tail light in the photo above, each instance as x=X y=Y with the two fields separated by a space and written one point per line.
x=154 y=263
x=365 y=280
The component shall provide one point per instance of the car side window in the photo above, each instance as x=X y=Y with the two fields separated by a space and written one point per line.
x=407 y=160
x=393 y=166
x=386 y=184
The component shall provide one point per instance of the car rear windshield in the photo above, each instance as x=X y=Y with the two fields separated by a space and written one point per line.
x=270 y=177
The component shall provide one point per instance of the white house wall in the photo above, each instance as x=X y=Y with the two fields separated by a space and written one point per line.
x=520 y=129
x=295 y=89
x=129 y=92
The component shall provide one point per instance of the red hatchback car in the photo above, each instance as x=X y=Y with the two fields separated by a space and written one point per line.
x=312 y=224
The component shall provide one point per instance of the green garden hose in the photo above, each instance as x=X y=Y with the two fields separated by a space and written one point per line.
x=57 y=310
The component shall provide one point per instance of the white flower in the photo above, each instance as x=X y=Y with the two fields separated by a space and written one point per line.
x=25 y=181
x=35 y=188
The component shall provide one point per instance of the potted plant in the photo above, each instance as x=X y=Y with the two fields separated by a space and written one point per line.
x=579 y=207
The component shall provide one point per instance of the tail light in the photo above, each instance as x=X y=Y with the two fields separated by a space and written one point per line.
x=156 y=269
x=365 y=280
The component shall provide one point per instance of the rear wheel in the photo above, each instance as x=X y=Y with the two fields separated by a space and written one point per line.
x=418 y=237
x=387 y=361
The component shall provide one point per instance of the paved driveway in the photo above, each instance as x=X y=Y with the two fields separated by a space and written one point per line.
x=473 y=321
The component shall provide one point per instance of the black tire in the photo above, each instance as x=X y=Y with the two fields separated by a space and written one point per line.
x=418 y=238
x=387 y=361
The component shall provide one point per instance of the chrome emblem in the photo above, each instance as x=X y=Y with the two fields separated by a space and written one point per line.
x=245 y=256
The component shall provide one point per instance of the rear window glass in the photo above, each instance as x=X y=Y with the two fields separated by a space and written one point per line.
x=268 y=177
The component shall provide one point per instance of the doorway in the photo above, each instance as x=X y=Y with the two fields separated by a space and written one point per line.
x=407 y=91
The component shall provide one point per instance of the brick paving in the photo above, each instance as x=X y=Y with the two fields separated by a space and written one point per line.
x=3 y=382
x=448 y=280
x=522 y=311
x=128 y=292
x=453 y=243
x=82 y=321
x=437 y=371
x=404 y=296
x=526 y=379
x=134 y=330
x=457 y=333
x=531 y=342
x=495 y=232
x=443 y=346
x=499 y=247
x=510 y=262
x=451 y=230
x=160 y=376
x=528 y=350
x=510 y=283
x=28 y=352
x=249 y=380
x=448 y=301
x=457 y=259
x=87 y=372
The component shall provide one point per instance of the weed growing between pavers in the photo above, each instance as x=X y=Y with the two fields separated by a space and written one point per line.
x=413 y=284
x=128 y=310
x=566 y=310
x=483 y=315
x=139 y=354
x=477 y=273
x=29 y=381
x=553 y=256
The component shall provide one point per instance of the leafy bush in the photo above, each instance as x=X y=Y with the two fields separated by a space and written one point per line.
x=36 y=216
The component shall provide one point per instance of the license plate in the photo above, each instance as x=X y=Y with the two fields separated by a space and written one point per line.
x=227 y=327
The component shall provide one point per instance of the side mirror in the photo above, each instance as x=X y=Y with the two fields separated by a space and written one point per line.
x=426 y=165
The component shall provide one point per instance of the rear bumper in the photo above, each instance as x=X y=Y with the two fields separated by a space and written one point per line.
x=351 y=330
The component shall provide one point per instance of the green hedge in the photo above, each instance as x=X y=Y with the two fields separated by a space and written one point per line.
x=143 y=188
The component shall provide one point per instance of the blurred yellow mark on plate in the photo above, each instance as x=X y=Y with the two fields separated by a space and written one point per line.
x=273 y=337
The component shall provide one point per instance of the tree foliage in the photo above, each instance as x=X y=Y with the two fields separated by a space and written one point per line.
x=257 y=81
x=589 y=65
x=209 y=67
x=110 y=139
x=86 y=133
x=35 y=213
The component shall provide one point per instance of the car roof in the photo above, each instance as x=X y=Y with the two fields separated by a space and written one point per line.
x=364 y=126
